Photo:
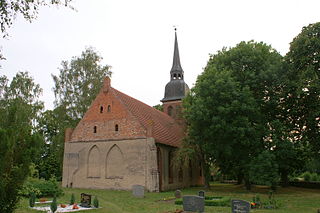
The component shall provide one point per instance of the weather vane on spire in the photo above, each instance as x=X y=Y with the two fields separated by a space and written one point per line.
x=175 y=28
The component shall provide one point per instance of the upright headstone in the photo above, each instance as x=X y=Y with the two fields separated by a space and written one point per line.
x=193 y=203
x=201 y=193
x=138 y=191
x=177 y=194
x=85 y=200
x=240 y=206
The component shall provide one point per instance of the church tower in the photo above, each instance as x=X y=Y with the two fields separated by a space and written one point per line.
x=176 y=89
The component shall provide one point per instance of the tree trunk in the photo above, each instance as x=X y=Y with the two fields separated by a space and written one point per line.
x=247 y=183
x=239 y=178
x=284 y=178
x=206 y=173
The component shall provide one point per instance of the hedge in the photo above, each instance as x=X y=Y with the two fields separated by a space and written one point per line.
x=210 y=201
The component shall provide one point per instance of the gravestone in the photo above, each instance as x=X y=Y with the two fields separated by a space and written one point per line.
x=177 y=194
x=85 y=200
x=201 y=193
x=240 y=206
x=193 y=203
x=138 y=191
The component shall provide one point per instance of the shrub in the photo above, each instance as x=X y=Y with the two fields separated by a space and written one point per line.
x=32 y=199
x=210 y=201
x=314 y=177
x=72 y=199
x=53 y=205
x=96 y=202
x=264 y=170
x=41 y=188
x=306 y=176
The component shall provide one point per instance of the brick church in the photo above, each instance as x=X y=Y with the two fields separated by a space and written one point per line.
x=121 y=141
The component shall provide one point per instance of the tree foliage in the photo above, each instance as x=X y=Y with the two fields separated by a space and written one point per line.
x=264 y=169
x=51 y=125
x=79 y=82
x=229 y=108
x=302 y=99
x=19 y=143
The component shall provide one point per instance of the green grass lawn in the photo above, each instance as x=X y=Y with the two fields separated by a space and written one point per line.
x=291 y=199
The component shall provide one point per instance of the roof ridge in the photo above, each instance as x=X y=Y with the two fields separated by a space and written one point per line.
x=146 y=115
x=125 y=105
x=155 y=110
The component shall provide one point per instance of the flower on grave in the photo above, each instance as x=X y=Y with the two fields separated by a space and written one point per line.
x=42 y=200
x=75 y=206
x=253 y=205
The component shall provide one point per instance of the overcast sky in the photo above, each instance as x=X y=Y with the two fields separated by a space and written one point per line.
x=136 y=37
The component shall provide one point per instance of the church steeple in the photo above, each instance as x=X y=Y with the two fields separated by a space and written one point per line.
x=176 y=89
x=176 y=70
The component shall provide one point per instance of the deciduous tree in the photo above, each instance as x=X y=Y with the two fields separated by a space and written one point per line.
x=229 y=108
x=19 y=143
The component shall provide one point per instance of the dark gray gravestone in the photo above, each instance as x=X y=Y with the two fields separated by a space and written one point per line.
x=177 y=194
x=193 y=203
x=240 y=206
x=138 y=191
x=201 y=193
x=85 y=200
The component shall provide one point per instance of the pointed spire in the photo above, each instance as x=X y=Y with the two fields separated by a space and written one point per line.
x=176 y=66
x=176 y=88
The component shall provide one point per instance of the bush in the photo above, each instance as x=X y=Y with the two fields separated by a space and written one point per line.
x=32 y=199
x=306 y=176
x=314 y=177
x=54 y=205
x=41 y=188
x=264 y=170
x=96 y=202
x=72 y=199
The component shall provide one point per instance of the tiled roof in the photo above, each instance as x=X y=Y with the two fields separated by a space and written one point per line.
x=165 y=130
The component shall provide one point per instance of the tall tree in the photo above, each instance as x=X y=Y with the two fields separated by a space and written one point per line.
x=19 y=143
x=51 y=125
x=229 y=108
x=302 y=91
x=77 y=84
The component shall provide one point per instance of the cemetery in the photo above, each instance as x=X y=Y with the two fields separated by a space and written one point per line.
x=289 y=200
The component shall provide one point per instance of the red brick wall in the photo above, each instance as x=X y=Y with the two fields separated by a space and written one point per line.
x=128 y=126
x=176 y=111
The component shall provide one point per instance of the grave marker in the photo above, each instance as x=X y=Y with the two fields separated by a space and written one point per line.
x=201 y=193
x=138 y=191
x=85 y=200
x=177 y=194
x=193 y=203
x=240 y=206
